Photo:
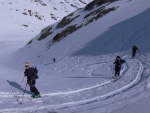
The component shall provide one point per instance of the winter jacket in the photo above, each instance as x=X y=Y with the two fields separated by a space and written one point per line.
x=30 y=74
x=118 y=63
x=134 y=49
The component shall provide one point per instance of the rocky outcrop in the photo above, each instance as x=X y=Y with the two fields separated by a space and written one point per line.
x=98 y=3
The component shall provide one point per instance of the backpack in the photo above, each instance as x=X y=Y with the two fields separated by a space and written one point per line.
x=122 y=61
x=35 y=71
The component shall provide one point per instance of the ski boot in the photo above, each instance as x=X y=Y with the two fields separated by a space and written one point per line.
x=37 y=96
x=33 y=95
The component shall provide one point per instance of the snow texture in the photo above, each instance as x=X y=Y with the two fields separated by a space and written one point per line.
x=80 y=81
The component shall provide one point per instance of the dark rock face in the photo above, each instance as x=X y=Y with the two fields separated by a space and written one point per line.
x=65 y=21
x=91 y=5
x=66 y=32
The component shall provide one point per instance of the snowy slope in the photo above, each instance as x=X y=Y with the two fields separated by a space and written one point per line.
x=30 y=16
x=82 y=88
x=80 y=80
x=122 y=27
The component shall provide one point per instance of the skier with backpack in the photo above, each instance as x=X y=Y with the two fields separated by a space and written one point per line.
x=31 y=74
x=134 y=49
x=118 y=64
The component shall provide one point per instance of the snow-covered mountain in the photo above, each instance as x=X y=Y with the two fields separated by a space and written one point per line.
x=30 y=16
x=85 y=44
x=98 y=29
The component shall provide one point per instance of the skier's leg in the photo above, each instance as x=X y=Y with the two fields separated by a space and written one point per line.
x=33 y=88
x=115 y=72
x=31 y=84
x=119 y=71
x=133 y=55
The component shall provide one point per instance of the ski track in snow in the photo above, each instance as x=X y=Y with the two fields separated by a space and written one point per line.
x=10 y=95
x=138 y=77
x=86 y=101
x=133 y=81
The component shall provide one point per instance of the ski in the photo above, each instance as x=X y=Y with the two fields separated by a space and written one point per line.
x=29 y=98
x=116 y=78
x=36 y=96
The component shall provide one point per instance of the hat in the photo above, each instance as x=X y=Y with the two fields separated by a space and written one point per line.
x=118 y=57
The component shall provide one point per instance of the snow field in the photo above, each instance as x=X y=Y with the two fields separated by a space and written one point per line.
x=130 y=76
x=80 y=80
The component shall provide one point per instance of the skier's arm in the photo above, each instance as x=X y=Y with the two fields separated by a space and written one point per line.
x=26 y=73
x=138 y=50
x=114 y=62
x=122 y=61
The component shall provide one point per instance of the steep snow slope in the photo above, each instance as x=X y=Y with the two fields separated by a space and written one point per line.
x=114 y=32
x=30 y=16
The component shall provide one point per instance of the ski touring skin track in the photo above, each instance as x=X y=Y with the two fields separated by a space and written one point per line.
x=82 y=102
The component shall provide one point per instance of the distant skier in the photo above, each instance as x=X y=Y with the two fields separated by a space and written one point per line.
x=134 y=49
x=118 y=64
x=31 y=80
x=54 y=60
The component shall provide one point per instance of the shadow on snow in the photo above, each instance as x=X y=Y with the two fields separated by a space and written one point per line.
x=121 y=37
x=17 y=86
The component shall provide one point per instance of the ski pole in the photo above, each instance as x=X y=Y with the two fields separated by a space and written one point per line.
x=17 y=95
x=13 y=90
x=21 y=86
x=23 y=93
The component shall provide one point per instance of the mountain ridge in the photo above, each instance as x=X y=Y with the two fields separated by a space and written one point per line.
x=87 y=33
x=30 y=16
